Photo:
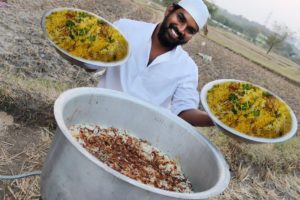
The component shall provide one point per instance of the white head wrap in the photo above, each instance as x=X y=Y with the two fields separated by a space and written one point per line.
x=197 y=9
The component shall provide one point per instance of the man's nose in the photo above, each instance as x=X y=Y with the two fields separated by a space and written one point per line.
x=181 y=28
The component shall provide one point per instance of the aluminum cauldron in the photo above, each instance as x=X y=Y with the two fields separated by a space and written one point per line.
x=70 y=172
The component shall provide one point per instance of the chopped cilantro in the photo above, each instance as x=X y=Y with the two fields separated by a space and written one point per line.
x=246 y=86
x=70 y=24
x=245 y=105
x=266 y=94
x=256 y=113
x=232 y=97
x=92 y=38
x=83 y=15
x=83 y=31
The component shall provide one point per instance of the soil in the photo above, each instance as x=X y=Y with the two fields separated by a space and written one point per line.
x=24 y=52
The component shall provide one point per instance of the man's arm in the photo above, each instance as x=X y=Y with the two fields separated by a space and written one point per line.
x=196 y=117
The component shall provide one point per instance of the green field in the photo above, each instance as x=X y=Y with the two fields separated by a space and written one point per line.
x=271 y=61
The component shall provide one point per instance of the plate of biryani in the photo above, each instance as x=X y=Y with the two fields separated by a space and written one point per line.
x=248 y=112
x=84 y=38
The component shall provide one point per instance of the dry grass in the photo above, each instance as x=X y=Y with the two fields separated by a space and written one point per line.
x=22 y=152
x=280 y=158
x=29 y=101
x=259 y=171
x=274 y=187
x=32 y=75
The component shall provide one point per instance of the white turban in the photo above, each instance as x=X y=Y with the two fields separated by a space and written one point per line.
x=197 y=9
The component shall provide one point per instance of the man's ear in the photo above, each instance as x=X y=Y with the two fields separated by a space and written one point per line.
x=169 y=9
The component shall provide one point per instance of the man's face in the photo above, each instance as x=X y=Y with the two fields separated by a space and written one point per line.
x=177 y=28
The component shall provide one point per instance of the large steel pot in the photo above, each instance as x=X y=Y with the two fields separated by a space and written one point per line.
x=70 y=172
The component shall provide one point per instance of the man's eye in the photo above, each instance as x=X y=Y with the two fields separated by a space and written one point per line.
x=181 y=18
x=191 y=31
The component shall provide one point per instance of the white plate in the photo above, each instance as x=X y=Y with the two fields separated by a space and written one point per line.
x=234 y=133
x=90 y=64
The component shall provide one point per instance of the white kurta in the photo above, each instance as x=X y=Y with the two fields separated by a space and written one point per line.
x=170 y=81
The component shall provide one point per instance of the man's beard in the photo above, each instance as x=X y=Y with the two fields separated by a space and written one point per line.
x=165 y=39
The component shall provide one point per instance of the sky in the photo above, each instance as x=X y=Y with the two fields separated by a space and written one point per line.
x=266 y=12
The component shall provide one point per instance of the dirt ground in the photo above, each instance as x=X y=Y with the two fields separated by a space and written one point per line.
x=26 y=126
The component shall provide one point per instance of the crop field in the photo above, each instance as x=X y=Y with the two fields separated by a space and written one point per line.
x=271 y=61
x=33 y=75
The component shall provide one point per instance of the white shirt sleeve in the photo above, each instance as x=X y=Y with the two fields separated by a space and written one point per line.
x=186 y=95
x=121 y=24
x=116 y=23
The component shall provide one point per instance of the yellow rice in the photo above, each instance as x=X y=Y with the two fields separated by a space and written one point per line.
x=86 y=36
x=249 y=109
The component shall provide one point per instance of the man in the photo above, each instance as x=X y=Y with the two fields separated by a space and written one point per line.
x=158 y=70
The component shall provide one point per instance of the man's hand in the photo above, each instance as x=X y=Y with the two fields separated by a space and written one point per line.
x=196 y=117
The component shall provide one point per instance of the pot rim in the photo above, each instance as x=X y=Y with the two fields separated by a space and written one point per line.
x=224 y=175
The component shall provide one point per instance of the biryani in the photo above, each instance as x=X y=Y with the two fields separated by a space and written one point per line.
x=249 y=109
x=86 y=36
x=131 y=156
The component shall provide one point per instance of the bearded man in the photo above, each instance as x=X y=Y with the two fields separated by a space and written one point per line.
x=158 y=70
